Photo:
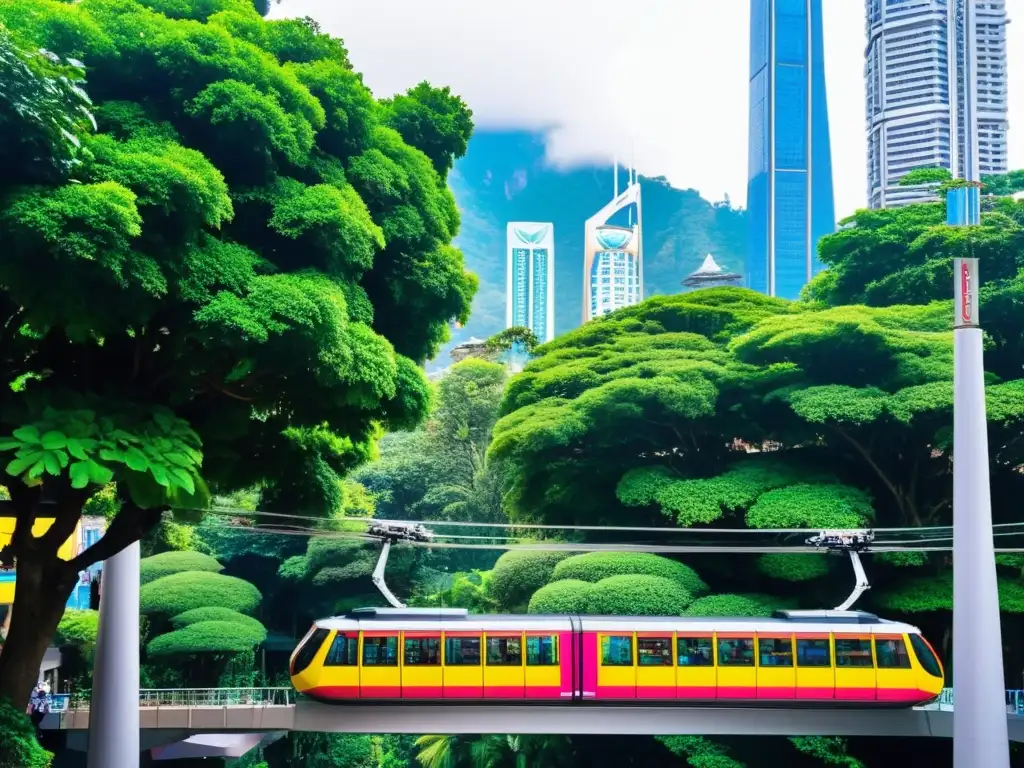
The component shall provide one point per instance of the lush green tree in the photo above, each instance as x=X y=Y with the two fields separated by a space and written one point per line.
x=927 y=175
x=434 y=120
x=242 y=274
x=1004 y=183
x=80 y=629
x=157 y=566
x=180 y=592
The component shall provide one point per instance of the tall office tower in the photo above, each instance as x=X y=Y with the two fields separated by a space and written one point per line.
x=530 y=278
x=789 y=189
x=936 y=81
x=613 y=266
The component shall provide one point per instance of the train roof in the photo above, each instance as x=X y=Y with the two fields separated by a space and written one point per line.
x=460 y=618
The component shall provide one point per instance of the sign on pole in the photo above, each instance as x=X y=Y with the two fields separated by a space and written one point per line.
x=965 y=286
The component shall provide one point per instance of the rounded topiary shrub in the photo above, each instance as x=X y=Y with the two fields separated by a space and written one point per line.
x=78 y=628
x=793 y=567
x=166 y=563
x=736 y=605
x=207 y=637
x=569 y=596
x=638 y=595
x=518 y=574
x=214 y=613
x=594 y=566
x=173 y=595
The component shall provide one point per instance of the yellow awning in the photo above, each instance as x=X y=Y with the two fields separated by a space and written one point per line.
x=66 y=551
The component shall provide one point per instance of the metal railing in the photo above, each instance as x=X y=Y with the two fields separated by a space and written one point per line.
x=1014 y=702
x=195 y=697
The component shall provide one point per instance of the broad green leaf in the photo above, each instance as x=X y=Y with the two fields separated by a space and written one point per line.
x=54 y=440
x=182 y=479
x=27 y=434
x=18 y=466
x=8 y=444
x=62 y=458
x=77 y=448
x=52 y=463
x=144 y=491
x=160 y=474
x=99 y=474
x=179 y=459
x=31 y=455
x=112 y=454
x=79 y=473
x=37 y=469
x=135 y=459
x=198 y=499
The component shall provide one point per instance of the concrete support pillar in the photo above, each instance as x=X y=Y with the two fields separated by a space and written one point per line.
x=979 y=718
x=114 y=710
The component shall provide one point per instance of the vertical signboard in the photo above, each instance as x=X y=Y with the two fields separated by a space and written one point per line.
x=965 y=287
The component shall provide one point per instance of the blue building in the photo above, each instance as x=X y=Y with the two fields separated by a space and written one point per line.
x=789 y=188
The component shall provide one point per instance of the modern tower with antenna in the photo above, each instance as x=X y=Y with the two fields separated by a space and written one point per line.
x=613 y=267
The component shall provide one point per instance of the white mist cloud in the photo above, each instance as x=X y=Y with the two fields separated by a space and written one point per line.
x=664 y=79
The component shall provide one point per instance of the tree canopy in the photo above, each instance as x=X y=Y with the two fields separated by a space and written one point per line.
x=245 y=264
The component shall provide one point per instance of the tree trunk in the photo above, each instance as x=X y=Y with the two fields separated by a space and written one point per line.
x=42 y=590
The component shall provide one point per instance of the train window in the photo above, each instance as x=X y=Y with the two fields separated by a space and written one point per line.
x=617 y=650
x=380 y=651
x=504 y=652
x=695 y=652
x=344 y=652
x=853 y=652
x=736 y=652
x=462 y=651
x=307 y=652
x=422 y=651
x=542 y=651
x=775 y=651
x=654 y=651
x=892 y=654
x=926 y=656
x=813 y=653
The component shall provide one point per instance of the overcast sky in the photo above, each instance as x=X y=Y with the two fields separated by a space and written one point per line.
x=667 y=77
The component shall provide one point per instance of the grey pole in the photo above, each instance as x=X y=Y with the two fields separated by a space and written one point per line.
x=114 y=709
x=979 y=718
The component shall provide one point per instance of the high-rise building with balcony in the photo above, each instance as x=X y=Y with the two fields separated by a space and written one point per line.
x=936 y=83
x=530 y=278
x=613 y=267
x=789 y=191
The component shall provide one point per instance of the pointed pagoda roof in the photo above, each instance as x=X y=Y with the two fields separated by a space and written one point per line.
x=710 y=272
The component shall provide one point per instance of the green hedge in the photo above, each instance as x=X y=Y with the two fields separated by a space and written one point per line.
x=215 y=613
x=518 y=574
x=166 y=563
x=793 y=567
x=736 y=605
x=207 y=637
x=18 y=745
x=595 y=566
x=569 y=596
x=173 y=595
x=638 y=595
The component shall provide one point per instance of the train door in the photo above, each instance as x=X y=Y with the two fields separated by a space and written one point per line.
x=421 y=665
x=340 y=677
x=737 y=668
x=380 y=670
x=855 y=667
x=463 y=672
x=815 y=675
x=896 y=676
x=695 y=666
x=504 y=670
x=776 y=670
x=544 y=664
x=655 y=665
x=616 y=665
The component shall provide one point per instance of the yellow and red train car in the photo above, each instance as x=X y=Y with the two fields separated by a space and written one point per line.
x=815 y=658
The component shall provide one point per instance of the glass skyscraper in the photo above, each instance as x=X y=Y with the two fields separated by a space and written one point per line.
x=530 y=278
x=789 y=188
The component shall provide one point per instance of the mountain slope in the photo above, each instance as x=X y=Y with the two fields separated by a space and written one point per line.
x=503 y=178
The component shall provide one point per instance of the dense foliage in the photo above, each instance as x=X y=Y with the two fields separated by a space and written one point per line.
x=180 y=592
x=174 y=561
x=18 y=747
x=245 y=264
